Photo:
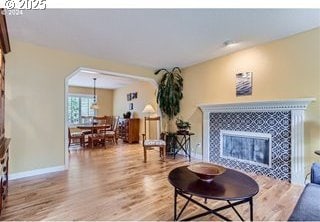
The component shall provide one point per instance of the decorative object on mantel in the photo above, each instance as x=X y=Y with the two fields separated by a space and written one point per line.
x=94 y=105
x=244 y=84
x=206 y=171
x=182 y=126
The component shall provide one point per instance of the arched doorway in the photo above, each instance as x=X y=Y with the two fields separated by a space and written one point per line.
x=102 y=72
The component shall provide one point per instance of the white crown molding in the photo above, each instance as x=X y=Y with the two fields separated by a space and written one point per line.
x=276 y=105
x=36 y=172
x=297 y=108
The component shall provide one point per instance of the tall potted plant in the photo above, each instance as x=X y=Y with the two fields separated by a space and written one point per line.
x=169 y=96
x=170 y=91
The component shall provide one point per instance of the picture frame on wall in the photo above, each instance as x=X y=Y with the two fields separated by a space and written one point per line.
x=129 y=97
x=130 y=106
x=134 y=95
x=244 y=84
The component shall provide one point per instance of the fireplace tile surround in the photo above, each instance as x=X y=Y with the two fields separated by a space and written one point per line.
x=278 y=124
x=284 y=120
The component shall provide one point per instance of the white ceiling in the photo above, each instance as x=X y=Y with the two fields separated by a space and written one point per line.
x=84 y=78
x=158 y=38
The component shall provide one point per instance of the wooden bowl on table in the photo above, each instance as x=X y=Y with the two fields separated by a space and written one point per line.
x=206 y=171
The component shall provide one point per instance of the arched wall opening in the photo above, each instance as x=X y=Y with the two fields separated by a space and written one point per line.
x=103 y=72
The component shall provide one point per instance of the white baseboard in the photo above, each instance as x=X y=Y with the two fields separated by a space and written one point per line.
x=196 y=156
x=35 y=172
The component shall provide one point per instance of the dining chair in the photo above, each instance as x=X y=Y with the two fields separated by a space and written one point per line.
x=86 y=120
x=112 y=134
x=98 y=131
x=103 y=120
x=152 y=137
x=110 y=121
x=74 y=138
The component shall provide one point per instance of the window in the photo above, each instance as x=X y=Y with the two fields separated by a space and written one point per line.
x=78 y=106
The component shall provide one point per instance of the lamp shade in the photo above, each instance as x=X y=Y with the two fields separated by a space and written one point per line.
x=148 y=109
x=94 y=106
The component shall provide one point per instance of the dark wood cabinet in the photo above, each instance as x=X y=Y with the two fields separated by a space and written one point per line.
x=4 y=142
x=128 y=130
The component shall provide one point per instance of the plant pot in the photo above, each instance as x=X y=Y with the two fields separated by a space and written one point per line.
x=170 y=142
x=183 y=129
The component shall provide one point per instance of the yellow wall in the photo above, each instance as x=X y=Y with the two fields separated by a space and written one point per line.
x=104 y=98
x=146 y=95
x=35 y=92
x=35 y=86
x=283 y=69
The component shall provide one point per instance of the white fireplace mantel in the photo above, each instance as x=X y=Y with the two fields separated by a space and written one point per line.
x=297 y=108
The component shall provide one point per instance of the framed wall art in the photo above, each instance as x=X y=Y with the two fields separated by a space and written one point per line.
x=134 y=95
x=129 y=97
x=244 y=84
x=130 y=106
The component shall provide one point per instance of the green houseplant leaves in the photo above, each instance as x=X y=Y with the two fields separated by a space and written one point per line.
x=170 y=91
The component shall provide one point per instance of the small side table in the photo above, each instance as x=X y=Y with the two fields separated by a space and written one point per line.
x=183 y=142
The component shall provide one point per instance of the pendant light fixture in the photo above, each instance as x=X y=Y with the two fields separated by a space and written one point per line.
x=94 y=104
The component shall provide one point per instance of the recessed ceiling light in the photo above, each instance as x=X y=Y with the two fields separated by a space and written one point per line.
x=229 y=43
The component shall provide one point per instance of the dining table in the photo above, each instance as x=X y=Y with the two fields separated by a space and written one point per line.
x=93 y=126
x=88 y=129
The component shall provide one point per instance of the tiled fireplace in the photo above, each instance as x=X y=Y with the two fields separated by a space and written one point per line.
x=262 y=137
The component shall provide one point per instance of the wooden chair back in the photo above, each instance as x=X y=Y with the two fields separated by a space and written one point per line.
x=100 y=120
x=152 y=127
x=75 y=136
x=152 y=137
x=112 y=134
x=98 y=131
x=110 y=121
x=115 y=123
x=69 y=133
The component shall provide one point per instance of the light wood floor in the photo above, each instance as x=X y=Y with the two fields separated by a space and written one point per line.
x=115 y=184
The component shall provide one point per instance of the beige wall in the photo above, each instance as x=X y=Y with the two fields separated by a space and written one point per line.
x=283 y=69
x=146 y=95
x=35 y=92
x=104 y=98
x=35 y=86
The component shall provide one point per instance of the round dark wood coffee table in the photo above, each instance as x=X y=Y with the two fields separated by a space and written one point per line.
x=232 y=186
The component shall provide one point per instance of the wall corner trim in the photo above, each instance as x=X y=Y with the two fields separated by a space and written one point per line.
x=36 y=172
